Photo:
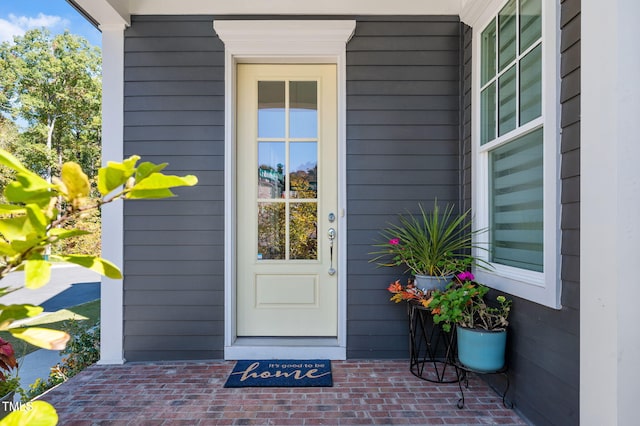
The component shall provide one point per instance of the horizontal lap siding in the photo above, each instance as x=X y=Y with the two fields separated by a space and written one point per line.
x=403 y=124
x=544 y=361
x=174 y=251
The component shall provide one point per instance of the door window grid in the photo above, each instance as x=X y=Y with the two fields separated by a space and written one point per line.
x=287 y=225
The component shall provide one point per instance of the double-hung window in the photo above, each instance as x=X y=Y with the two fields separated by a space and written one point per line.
x=516 y=149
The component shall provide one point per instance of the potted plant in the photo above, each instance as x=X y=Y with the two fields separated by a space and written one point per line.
x=432 y=245
x=9 y=381
x=481 y=328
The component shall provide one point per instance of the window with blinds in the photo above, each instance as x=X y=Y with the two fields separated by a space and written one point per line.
x=511 y=133
x=516 y=202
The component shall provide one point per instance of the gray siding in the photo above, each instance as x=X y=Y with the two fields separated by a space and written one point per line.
x=408 y=141
x=403 y=118
x=174 y=257
x=545 y=343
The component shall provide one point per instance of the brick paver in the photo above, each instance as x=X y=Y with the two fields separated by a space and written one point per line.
x=192 y=393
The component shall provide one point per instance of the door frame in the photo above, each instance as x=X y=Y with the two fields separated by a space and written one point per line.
x=270 y=41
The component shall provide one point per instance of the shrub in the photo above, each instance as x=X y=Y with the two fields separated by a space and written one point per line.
x=83 y=350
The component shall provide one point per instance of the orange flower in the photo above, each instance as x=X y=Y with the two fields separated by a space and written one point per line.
x=426 y=302
x=395 y=287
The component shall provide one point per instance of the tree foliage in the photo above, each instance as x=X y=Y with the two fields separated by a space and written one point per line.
x=52 y=85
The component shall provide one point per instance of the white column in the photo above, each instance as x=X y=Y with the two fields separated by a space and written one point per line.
x=111 y=312
x=610 y=213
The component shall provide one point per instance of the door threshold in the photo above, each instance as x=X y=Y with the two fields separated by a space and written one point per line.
x=285 y=348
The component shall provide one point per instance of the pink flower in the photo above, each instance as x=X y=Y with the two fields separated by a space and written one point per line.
x=465 y=276
x=394 y=241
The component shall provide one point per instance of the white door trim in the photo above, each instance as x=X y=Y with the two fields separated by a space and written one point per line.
x=289 y=41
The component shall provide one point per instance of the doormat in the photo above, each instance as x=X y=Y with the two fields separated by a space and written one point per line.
x=281 y=373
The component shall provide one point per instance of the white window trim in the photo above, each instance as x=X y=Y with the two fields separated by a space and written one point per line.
x=269 y=41
x=540 y=287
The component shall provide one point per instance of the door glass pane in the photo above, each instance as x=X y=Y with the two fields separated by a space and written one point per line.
x=507 y=35
x=530 y=23
x=507 y=101
x=271 y=160
x=271 y=112
x=303 y=231
x=488 y=114
x=531 y=85
x=271 y=231
x=303 y=176
x=303 y=104
x=516 y=204
x=488 y=53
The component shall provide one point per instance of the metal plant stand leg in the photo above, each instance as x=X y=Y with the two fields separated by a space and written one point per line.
x=463 y=375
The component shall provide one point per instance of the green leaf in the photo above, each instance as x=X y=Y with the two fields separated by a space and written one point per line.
x=51 y=317
x=35 y=413
x=160 y=181
x=149 y=194
x=11 y=313
x=11 y=209
x=96 y=264
x=45 y=338
x=29 y=188
x=147 y=168
x=109 y=178
x=36 y=273
x=22 y=246
x=157 y=185
x=116 y=174
x=37 y=219
x=14 y=228
x=75 y=180
x=6 y=249
x=12 y=162
x=62 y=234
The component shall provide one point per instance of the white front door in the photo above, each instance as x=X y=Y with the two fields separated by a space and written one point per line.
x=286 y=200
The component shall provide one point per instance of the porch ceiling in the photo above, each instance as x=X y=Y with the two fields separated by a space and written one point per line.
x=118 y=12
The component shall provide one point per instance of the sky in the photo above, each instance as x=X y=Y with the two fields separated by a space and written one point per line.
x=18 y=16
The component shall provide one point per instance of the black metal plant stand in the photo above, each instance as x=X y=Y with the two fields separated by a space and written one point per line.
x=432 y=350
x=463 y=376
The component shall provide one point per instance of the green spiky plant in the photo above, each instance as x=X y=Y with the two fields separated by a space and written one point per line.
x=436 y=243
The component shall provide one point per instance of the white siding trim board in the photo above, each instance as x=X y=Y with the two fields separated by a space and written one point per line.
x=112 y=291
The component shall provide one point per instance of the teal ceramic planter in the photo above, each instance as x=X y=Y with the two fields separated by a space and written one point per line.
x=481 y=350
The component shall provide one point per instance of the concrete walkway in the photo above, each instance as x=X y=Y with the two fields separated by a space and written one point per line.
x=69 y=286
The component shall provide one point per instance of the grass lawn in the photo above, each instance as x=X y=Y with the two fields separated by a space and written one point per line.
x=90 y=310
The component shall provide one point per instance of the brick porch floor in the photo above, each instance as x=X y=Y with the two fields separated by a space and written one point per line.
x=192 y=393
